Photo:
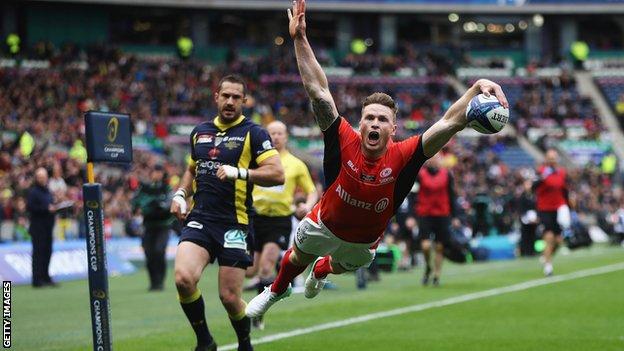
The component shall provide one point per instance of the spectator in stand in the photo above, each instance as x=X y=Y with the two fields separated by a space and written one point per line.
x=57 y=184
x=619 y=106
x=48 y=103
x=20 y=219
x=608 y=165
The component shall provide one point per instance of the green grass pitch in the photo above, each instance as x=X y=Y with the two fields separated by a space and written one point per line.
x=578 y=314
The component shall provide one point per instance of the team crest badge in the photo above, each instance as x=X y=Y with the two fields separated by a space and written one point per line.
x=386 y=172
x=214 y=153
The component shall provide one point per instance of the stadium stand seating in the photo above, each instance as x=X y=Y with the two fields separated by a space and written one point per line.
x=613 y=90
x=46 y=104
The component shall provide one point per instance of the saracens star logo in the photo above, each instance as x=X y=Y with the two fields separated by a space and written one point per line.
x=386 y=172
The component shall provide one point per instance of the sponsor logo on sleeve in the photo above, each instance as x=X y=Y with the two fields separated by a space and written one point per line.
x=194 y=224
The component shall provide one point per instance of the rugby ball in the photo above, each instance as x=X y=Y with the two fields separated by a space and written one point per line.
x=486 y=115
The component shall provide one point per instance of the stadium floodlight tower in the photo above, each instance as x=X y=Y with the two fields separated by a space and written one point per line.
x=108 y=139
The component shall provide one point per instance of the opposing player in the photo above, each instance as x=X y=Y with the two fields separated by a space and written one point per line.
x=367 y=176
x=552 y=201
x=274 y=208
x=229 y=155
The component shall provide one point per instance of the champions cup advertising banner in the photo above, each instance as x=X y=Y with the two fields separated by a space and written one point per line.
x=108 y=137
x=69 y=259
x=97 y=267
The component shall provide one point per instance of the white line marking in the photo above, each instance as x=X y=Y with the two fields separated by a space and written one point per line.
x=441 y=303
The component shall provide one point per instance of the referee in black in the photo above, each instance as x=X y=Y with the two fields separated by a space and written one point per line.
x=41 y=208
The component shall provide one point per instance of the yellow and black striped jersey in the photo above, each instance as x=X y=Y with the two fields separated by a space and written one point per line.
x=241 y=143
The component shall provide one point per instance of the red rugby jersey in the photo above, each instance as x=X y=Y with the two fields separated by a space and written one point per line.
x=551 y=191
x=434 y=198
x=362 y=195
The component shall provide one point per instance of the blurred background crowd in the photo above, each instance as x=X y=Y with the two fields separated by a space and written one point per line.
x=42 y=106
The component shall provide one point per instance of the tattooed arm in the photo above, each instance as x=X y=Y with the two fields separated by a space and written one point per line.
x=312 y=75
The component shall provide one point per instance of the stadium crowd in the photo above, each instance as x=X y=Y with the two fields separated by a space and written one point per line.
x=550 y=109
x=41 y=126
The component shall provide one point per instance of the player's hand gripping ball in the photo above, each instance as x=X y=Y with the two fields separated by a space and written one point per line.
x=486 y=115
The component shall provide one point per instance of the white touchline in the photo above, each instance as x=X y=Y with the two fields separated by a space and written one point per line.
x=433 y=304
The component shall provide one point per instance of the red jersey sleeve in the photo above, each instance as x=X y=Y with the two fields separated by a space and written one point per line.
x=408 y=147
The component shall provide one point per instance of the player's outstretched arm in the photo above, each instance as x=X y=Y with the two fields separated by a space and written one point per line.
x=454 y=119
x=312 y=75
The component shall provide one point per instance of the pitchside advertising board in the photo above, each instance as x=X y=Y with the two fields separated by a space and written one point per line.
x=69 y=260
x=108 y=139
